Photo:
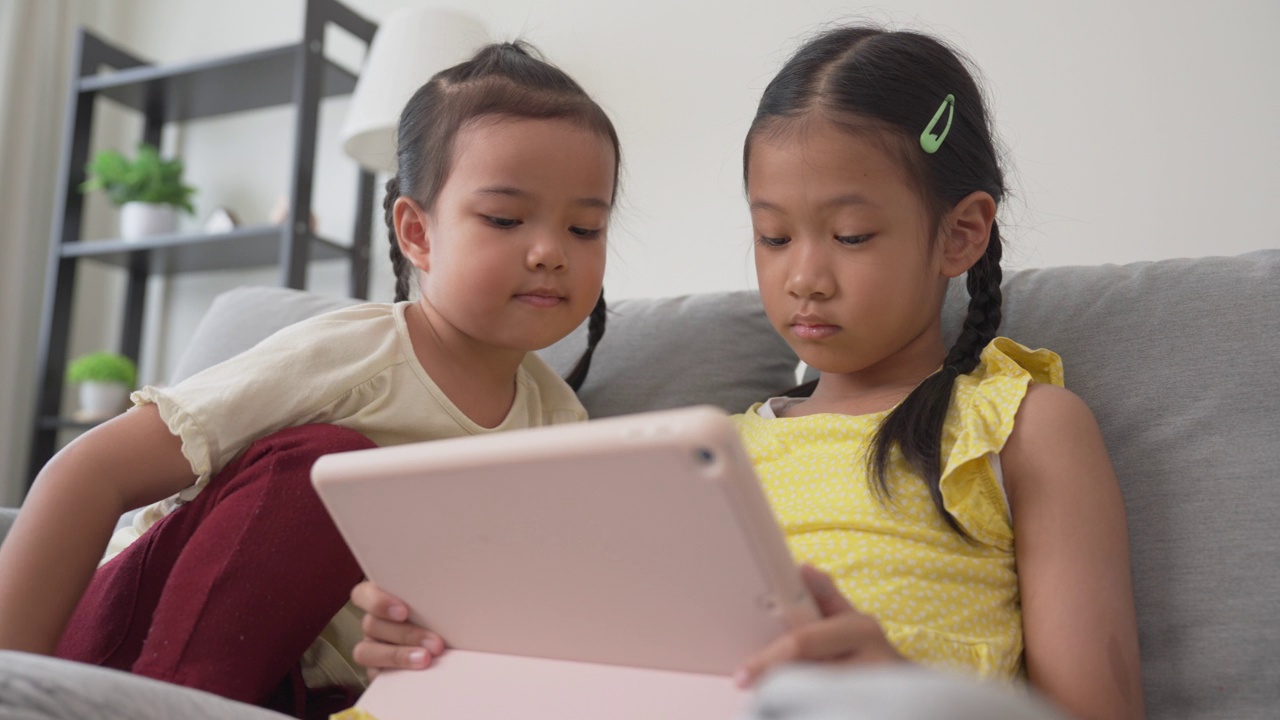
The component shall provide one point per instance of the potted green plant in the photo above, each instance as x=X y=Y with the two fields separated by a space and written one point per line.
x=148 y=190
x=105 y=379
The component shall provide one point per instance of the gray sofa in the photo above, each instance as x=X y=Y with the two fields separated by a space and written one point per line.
x=1178 y=360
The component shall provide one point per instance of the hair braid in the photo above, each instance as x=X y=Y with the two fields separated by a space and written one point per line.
x=595 y=331
x=915 y=426
x=983 y=318
x=399 y=264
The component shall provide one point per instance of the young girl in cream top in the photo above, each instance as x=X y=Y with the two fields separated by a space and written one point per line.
x=230 y=578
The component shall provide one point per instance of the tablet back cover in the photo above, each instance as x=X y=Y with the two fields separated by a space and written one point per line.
x=640 y=541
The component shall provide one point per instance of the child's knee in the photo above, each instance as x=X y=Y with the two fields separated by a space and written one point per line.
x=307 y=443
x=283 y=459
x=320 y=440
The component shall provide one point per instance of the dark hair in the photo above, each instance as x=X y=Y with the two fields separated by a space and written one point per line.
x=501 y=80
x=889 y=85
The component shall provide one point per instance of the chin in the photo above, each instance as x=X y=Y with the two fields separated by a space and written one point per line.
x=540 y=342
x=810 y=352
x=825 y=360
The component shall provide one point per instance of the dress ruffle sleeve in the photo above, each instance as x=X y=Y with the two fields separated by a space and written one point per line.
x=982 y=414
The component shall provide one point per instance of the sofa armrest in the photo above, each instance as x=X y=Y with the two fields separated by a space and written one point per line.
x=35 y=687
x=7 y=516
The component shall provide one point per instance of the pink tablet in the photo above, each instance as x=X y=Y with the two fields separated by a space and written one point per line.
x=613 y=554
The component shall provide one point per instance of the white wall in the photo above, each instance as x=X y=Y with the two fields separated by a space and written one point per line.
x=1135 y=131
x=35 y=48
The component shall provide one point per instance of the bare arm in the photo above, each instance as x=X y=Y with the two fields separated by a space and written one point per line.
x=1073 y=559
x=58 y=538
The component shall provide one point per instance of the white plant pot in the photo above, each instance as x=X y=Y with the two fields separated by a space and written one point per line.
x=139 y=220
x=101 y=400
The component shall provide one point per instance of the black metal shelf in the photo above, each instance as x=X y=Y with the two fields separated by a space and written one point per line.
x=246 y=247
x=63 y=423
x=297 y=76
x=193 y=90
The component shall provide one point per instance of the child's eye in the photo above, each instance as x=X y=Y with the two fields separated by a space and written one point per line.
x=500 y=222
x=773 y=241
x=585 y=233
x=852 y=239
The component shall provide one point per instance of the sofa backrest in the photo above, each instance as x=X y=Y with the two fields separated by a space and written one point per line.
x=716 y=349
x=1177 y=359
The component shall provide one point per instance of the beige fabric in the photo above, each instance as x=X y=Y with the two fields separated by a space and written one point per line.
x=353 y=367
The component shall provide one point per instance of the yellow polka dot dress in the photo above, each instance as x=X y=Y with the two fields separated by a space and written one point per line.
x=943 y=601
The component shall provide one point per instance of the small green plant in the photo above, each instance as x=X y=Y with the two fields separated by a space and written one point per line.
x=146 y=179
x=103 y=367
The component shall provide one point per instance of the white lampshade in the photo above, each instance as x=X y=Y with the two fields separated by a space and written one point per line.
x=411 y=45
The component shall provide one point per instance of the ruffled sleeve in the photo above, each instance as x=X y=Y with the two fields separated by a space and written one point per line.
x=195 y=439
x=293 y=377
x=978 y=424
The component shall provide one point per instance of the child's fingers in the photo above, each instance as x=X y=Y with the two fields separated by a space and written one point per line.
x=377 y=656
x=825 y=640
x=825 y=593
x=404 y=634
x=376 y=601
x=847 y=637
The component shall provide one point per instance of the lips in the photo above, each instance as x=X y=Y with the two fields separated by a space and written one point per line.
x=812 y=327
x=541 y=297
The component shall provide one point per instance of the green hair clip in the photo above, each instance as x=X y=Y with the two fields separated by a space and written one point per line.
x=930 y=142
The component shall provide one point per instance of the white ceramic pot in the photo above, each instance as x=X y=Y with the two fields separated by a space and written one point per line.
x=139 y=220
x=101 y=400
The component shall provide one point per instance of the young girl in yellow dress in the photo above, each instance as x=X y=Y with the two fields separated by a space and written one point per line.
x=958 y=497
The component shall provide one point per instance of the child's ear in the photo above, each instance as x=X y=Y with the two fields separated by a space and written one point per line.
x=966 y=232
x=411 y=231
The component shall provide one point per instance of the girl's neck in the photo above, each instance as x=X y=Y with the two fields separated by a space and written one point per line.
x=476 y=377
x=880 y=386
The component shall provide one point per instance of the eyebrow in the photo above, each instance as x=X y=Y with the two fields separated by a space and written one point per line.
x=515 y=192
x=837 y=201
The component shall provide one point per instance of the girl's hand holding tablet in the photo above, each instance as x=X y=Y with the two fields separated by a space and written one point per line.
x=390 y=641
x=843 y=635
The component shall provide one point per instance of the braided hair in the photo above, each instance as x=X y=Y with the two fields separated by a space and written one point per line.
x=595 y=331
x=501 y=80
x=888 y=85
x=400 y=265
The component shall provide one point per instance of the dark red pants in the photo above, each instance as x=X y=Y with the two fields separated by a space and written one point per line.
x=227 y=592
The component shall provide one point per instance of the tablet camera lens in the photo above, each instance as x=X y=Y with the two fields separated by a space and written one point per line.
x=705 y=456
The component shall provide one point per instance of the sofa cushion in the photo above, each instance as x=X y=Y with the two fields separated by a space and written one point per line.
x=240 y=318
x=716 y=348
x=34 y=687
x=7 y=516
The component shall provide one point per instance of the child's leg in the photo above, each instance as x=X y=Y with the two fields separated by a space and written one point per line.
x=226 y=593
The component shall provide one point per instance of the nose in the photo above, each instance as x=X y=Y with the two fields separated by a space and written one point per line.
x=547 y=253
x=809 y=271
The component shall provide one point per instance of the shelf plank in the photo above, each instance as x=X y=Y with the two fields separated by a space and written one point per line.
x=64 y=423
x=206 y=88
x=246 y=247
